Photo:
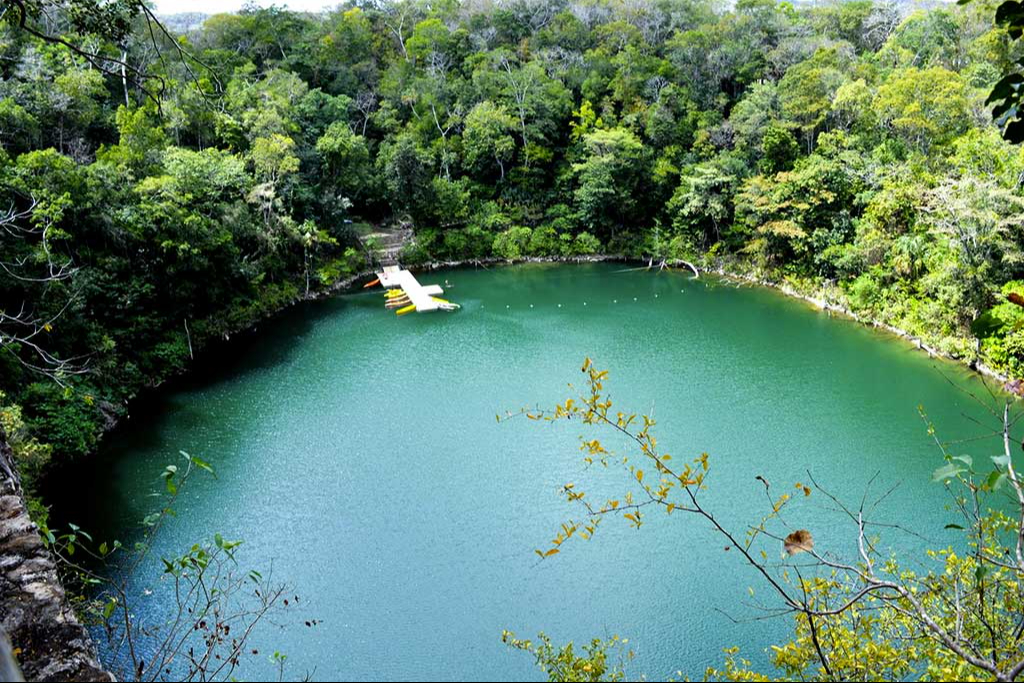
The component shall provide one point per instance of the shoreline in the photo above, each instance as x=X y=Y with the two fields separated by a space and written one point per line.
x=353 y=284
x=1011 y=385
x=1008 y=384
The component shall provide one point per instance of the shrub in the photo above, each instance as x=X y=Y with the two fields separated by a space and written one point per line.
x=512 y=243
x=67 y=416
x=544 y=242
x=865 y=292
x=582 y=245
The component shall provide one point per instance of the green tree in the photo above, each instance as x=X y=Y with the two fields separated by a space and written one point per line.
x=807 y=90
x=702 y=206
x=487 y=138
x=76 y=95
x=979 y=229
x=347 y=167
x=608 y=178
x=924 y=107
x=274 y=159
x=406 y=168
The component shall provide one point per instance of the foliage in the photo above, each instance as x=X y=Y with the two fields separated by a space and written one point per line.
x=565 y=664
x=215 y=603
x=161 y=191
x=859 y=614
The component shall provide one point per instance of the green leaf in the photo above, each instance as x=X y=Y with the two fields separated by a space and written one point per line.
x=199 y=462
x=950 y=471
x=995 y=481
x=965 y=459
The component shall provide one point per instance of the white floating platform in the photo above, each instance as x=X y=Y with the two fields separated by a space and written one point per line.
x=422 y=297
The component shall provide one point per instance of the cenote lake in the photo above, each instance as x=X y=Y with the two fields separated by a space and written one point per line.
x=358 y=455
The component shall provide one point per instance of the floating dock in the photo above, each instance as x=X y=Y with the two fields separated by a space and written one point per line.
x=404 y=293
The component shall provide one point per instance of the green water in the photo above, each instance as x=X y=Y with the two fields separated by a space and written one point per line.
x=358 y=454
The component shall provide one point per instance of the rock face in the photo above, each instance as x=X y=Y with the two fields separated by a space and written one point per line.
x=48 y=640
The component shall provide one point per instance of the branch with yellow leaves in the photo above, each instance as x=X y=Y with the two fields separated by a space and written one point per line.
x=983 y=639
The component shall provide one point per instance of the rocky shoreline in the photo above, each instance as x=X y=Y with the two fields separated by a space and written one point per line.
x=49 y=642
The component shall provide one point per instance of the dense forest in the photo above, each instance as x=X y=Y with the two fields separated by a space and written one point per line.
x=165 y=184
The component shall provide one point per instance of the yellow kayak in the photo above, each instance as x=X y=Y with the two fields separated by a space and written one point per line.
x=407 y=309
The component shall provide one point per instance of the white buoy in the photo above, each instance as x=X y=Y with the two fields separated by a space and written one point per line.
x=634 y=298
x=559 y=305
x=531 y=305
x=615 y=301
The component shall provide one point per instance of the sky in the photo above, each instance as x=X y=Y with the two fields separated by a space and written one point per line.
x=215 y=6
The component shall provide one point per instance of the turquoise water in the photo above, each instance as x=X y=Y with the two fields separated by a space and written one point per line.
x=358 y=454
